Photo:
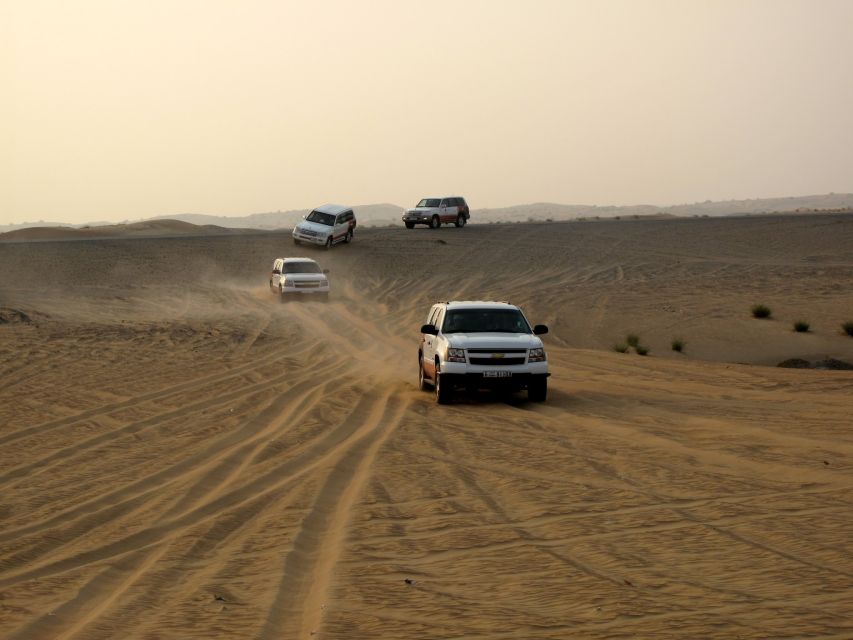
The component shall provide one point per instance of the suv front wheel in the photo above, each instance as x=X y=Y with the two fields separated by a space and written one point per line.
x=423 y=384
x=443 y=392
x=435 y=223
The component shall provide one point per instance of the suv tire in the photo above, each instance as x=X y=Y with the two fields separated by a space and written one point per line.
x=410 y=225
x=443 y=392
x=348 y=237
x=460 y=220
x=537 y=390
x=297 y=241
x=435 y=223
x=329 y=243
x=423 y=385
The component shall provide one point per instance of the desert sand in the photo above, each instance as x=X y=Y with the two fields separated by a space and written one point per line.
x=184 y=457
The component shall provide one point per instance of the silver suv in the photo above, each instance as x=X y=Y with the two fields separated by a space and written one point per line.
x=475 y=345
x=299 y=278
x=327 y=225
x=435 y=211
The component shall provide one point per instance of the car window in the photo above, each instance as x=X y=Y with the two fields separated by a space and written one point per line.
x=429 y=202
x=321 y=218
x=432 y=314
x=302 y=267
x=443 y=203
x=485 y=320
x=439 y=317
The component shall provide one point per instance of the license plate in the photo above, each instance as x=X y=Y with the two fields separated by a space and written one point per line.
x=497 y=374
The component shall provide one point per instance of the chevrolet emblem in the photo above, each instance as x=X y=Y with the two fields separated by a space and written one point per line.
x=497 y=355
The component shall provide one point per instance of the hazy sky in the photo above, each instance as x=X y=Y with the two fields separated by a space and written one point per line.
x=121 y=109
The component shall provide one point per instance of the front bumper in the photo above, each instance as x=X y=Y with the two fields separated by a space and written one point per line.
x=460 y=374
x=417 y=218
x=303 y=237
x=474 y=381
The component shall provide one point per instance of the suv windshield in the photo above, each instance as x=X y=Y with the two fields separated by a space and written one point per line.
x=301 y=267
x=485 y=320
x=429 y=202
x=322 y=218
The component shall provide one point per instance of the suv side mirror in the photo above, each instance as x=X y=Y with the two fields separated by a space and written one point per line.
x=429 y=329
x=276 y=271
x=540 y=329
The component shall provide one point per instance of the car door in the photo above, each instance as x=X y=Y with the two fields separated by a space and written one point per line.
x=341 y=227
x=444 y=210
x=428 y=344
x=448 y=209
x=276 y=273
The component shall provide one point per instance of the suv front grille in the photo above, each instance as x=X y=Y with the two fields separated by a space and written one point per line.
x=498 y=362
x=497 y=357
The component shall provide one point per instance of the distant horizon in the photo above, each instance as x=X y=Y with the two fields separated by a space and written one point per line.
x=285 y=211
x=119 y=220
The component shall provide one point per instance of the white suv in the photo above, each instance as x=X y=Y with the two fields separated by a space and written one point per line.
x=302 y=278
x=326 y=225
x=435 y=211
x=481 y=345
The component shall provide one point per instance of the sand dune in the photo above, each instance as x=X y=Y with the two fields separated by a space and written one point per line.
x=184 y=457
x=145 y=229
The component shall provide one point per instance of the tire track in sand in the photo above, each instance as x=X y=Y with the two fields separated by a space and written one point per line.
x=363 y=421
x=158 y=394
x=297 y=608
x=27 y=471
x=125 y=499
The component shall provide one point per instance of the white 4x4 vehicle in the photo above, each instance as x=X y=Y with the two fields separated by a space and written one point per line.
x=435 y=211
x=326 y=225
x=481 y=345
x=293 y=278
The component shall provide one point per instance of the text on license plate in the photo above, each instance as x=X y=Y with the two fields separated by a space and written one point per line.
x=497 y=374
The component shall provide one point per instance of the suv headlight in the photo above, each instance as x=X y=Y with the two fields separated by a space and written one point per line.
x=288 y=282
x=536 y=355
x=455 y=355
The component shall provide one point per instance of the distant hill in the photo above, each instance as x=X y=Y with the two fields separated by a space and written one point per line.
x=144 y=229
x=545 y=210
x=368 y=215
x=378 y=215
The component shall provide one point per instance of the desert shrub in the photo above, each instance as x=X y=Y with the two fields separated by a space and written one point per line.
x=632 y=339
x=847 y=327
x=641 y=351
x=620 y=348
x=801 y=326
x=678 y=345
x=760 y=311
